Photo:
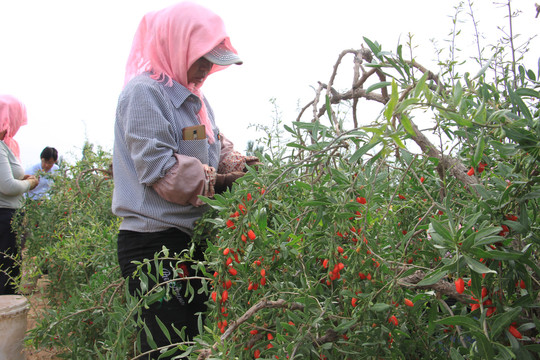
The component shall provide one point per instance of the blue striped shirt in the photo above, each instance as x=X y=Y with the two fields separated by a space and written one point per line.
x=148 y=131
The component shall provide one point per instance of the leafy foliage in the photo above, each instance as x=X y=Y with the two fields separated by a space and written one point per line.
x=347 y=243
x=72 y=237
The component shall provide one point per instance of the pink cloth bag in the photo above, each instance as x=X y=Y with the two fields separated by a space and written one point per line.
x=168 y=41
x=12 y=117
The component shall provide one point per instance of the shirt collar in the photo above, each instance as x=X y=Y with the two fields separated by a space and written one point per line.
x=178 y=93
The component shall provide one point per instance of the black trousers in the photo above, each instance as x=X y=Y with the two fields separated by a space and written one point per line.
x=178 y=311
x=9 y=268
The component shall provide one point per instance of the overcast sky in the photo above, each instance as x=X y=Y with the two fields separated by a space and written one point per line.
x=64 y=59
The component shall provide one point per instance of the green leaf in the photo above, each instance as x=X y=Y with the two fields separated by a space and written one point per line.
x=486 y=232
x=346 y=325
x=163 y=329
x=378 y=86
x=528 y=92
x=362 y=151
x=480 y=113
x=501 y=321
x=457 y=118
x=486 y=195
x=261 y=218
x=149 y=337
x=483 y=345
x=458 y=93
x=397 y=140
x=375 y=48
x=503 y=353
x=289 y=129
x=455 y=355
x=497 y=254
x=504 y=149
x=390 y=106
x=420 y=85
x=295 y=145
x=522 y=106
x=404 y=119
x=479 y=151
x=532 y=195
x=477 y=266
x=459 y=320
x=373 y=130
x=328 y=110
x=380 y=307
x=433 y=277
x=315 y=203
x=405 y=104
x=484 y=68
x=515 y=226
x=437 y=227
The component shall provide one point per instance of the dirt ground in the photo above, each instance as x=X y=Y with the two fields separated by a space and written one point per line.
x=37 y=303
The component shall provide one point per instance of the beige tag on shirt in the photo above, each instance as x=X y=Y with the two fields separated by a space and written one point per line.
x=197 y=132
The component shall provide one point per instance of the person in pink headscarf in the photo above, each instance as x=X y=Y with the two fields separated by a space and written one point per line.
x=168 y=151
x=13 y=184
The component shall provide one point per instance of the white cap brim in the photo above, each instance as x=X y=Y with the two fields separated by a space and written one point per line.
x=222 y=56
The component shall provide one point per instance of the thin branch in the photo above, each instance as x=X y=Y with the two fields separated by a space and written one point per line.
x=263 y=304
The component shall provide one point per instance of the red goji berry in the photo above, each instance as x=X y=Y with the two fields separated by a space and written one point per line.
x=460 y=285
x=242 y=208
x=251 y=235
x=484 y=292
x=481 y=167
x=393 y=320
x=515 y=332
x=362 y=276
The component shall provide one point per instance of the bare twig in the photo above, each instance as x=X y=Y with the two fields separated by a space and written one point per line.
x=263 y=304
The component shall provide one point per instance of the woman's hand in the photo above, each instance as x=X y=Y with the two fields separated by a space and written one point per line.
x=34 y=181
x=252 y=161
x=225 y=181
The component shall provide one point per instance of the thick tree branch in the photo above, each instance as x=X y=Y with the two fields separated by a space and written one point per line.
x=446 y=163
x=442 y=286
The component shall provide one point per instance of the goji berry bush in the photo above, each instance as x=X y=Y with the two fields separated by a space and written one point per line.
x=413 y=235
x=71 y=241
x=349 y=245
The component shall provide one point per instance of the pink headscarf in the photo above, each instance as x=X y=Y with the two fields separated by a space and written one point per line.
x=12 y=117
x=169 y=41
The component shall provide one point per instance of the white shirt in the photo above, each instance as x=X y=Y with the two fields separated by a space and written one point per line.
x=45 y=181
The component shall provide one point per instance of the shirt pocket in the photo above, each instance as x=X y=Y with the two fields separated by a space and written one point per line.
x=195 y=148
